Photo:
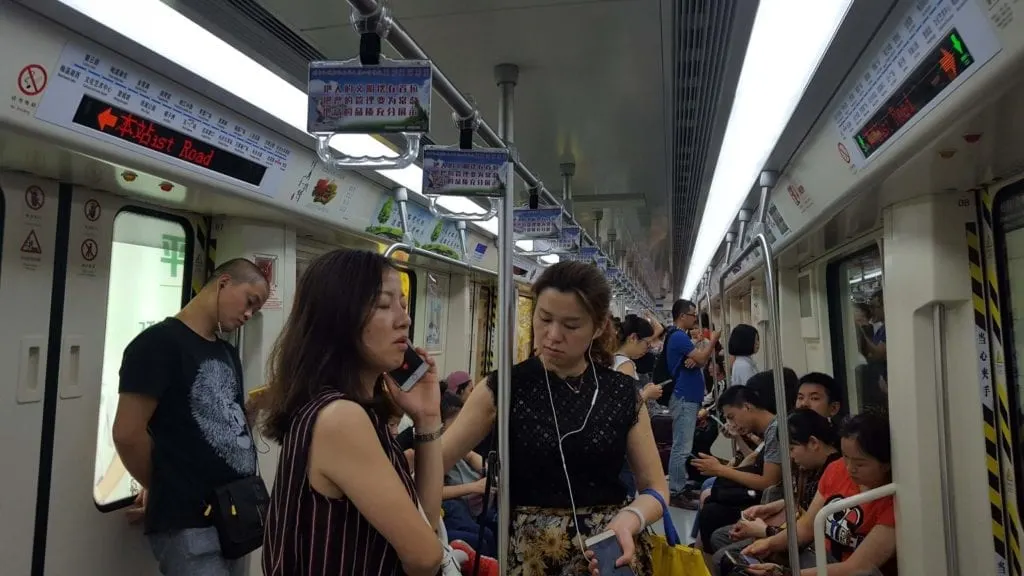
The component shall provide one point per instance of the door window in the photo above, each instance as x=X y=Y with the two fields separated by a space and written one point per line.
x=149 y=280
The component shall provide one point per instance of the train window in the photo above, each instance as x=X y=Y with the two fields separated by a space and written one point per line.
x=857 y=318
x=149 y=281
x=804 y=288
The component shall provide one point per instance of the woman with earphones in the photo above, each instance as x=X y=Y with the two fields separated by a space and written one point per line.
x=573 y=420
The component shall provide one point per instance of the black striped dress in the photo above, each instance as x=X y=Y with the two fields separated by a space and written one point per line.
x=308 y=534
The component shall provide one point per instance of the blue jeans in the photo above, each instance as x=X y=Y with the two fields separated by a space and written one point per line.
x=191 y=552
x=684 y=423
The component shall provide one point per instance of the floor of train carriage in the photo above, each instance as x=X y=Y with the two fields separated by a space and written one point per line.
x=684 y=519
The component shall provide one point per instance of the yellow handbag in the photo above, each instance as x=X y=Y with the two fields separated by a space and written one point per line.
x=669 y=556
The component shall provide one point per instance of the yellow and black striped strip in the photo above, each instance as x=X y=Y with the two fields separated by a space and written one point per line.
x=995 y=488
x=1002 y=412
x=202 y=238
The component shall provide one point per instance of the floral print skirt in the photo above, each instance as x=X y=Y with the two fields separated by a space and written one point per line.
x=543 y=541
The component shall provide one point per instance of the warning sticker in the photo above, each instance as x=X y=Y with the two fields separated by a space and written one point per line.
x=92 y=210
x=89 y=249
x=31 y=244
x=32 y=80
x=35 y=198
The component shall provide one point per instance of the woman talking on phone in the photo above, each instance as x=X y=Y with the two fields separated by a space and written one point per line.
x=573 y=419
x=344 y=501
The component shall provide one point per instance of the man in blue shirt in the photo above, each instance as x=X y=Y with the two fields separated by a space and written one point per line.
x=685 y=362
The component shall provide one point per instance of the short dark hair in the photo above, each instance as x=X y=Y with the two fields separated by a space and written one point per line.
x=681 y=306
x=806 y=423
x=763 y=383
x=825 y=381
x=871 y=430
x=742 y=339
x=739 y=395
x=240 y=270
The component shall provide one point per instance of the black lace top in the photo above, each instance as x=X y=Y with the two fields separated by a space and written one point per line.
x=593 y=456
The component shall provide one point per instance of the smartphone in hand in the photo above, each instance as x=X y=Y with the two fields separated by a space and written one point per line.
x=607 y=550
x=733 y=560
x=412 y=370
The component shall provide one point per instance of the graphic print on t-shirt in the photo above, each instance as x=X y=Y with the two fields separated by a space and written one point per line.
x=219 y=417
x=841 y=527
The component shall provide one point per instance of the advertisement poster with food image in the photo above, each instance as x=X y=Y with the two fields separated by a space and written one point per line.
x=325 y=192
x=425 y=230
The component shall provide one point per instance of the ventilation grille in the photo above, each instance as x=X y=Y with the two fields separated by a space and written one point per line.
x=254 y=30
x=701 y=42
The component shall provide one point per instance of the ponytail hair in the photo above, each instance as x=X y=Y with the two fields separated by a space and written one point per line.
x=633 y=324
x=603 y=348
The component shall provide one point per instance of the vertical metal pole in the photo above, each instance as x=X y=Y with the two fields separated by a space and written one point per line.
x=568 y=170
x=945 y=445
x=781 y=406
x=767 y=181
x=506 y=76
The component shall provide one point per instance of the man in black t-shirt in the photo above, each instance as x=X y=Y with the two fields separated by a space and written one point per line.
x=180 y=427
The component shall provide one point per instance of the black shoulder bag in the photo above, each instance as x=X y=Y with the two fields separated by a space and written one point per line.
x=238 y=509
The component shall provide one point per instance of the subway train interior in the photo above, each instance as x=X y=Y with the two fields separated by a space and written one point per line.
x=806 y=167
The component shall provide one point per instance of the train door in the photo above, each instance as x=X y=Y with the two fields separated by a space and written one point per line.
x=997 y=270
x=126 y=268
x=28 y=229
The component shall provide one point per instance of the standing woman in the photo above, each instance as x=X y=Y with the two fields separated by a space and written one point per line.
x=572 y=422
x=328 y=405
x=744 y=342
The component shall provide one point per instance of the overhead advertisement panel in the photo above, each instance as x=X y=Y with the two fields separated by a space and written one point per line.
x=934 y=47
x=100 y=95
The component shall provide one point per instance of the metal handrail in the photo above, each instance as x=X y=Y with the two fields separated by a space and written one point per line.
x=410 y=249
x=781 y=408
x=820 y=556
x=403 y=43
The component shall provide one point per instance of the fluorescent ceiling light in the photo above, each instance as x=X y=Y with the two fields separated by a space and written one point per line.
x=766 y=95
x=550 y=259
x=222 y=64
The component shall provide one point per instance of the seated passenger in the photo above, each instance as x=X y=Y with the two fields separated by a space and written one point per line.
x=464 y=492
x=572 y=422
x=342 y=487
x=736 y=489
x=812 y=446
x=859 y=538
x=819 y=392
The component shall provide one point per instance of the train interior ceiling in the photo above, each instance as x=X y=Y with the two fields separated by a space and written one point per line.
x=100 y=238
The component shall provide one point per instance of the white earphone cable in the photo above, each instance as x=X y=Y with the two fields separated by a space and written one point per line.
x=561 y=452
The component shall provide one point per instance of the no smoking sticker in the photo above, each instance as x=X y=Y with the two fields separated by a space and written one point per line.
x=32 y=80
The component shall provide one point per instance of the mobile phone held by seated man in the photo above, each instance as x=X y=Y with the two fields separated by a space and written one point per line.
x=734 y=560
x=411 y=371
x=607 y=550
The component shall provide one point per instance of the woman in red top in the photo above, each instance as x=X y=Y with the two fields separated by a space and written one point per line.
x=859 y=538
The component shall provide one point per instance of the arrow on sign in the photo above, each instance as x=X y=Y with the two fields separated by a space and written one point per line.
x=107 y=119
x=957 y=45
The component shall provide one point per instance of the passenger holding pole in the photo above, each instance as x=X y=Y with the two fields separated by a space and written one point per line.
x=572 y=422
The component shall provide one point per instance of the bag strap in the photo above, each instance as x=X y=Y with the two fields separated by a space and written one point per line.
x=675 y=372
x=671 y=535
x=232 y=351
